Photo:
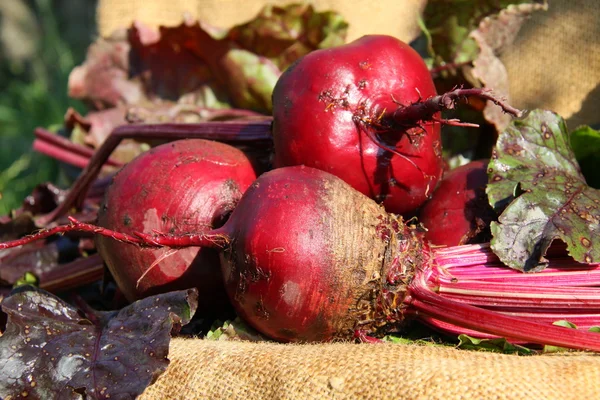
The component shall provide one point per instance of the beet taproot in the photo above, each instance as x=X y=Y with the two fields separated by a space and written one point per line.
x=179 y=187
x=306 y=258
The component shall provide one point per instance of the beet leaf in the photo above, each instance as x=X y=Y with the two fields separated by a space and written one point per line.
x=534 y=168
x=52 y=350
x=451 y=23
x=464 y=41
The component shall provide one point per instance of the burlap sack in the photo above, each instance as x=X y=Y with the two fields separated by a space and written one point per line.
x=555 y=64
x=241 y=370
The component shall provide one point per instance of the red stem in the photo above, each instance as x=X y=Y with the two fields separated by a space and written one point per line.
x=75 y=226
x=233 y=132
x=64 y=150
x=215 y=239
x=74 y=274
x=424 y=300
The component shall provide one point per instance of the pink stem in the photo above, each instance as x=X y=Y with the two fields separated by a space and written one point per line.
x=516 y=296
x=582 y=323
x=425 y=301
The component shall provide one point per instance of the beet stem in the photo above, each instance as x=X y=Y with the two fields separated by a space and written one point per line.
x=425 y=301
x=235 y=132
x=74 y=274
x=215 y=239
x=75 y=226
x=64 y=150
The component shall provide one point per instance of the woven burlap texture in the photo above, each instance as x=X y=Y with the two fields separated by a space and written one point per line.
x=203 y=369
x=555 y=62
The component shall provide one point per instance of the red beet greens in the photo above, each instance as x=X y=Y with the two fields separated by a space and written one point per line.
x=53 y=350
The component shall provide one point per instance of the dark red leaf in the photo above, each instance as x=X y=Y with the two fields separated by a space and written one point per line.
x=52 y=350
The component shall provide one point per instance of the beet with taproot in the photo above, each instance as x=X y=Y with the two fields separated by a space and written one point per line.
x=307 y=258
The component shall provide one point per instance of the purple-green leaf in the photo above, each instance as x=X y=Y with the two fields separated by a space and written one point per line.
x=284 y=34
x=450 y=24
x=534 y=168
x=52 y=350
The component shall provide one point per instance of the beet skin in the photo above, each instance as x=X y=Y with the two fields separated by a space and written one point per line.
x=179 y=187
x=331 y=105
x=459 y=211
x=309 y=256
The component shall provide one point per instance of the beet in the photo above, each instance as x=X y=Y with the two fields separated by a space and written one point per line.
x=337 y=109
x=297 y=284
x=179 y=187
x=459 y=211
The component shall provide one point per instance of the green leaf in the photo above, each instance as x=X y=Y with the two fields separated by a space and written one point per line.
x=585 y=142
x=498 y=345
x=284 y=34
x=252 y=80
x=28 y=279
x=234 y=330
x=534 y=166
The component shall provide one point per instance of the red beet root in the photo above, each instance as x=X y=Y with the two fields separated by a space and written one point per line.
x=180 y=187
x=339 y=110
x=459 y=212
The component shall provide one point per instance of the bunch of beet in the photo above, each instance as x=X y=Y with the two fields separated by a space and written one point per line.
x=315 y=250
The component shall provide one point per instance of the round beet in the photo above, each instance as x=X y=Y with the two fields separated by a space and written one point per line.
x=310 y=277
x=179 y=187
x=336 y=110
x=459 y=211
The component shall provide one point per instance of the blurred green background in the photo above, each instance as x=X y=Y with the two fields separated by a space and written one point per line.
x=40 y=42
